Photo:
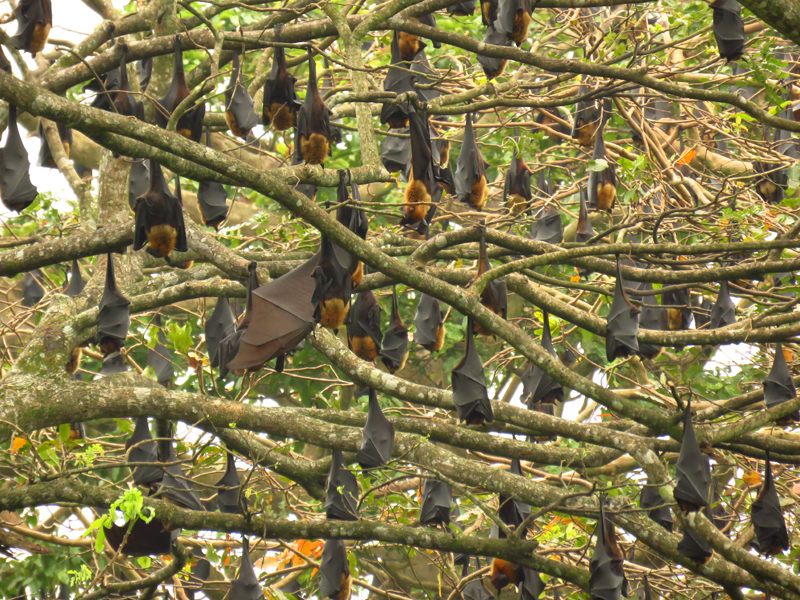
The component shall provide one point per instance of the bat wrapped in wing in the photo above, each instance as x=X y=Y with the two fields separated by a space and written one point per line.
x=336 y=582
x=422 y=189
x=723 y=312
x=312 y=135
x=586 y=121
x=495 y=295
x=280 y=100
x=218 y=326
x=377 y=438
x=462 y=9
x=144 y=539
x=514 y=19
x=429 y=324
x=76 y=283
x=729 y=29
x=652 y=317
x=123 y=99
x=538 y=386
x=546 y=225
x=517 y=188
x=779 y=386
x=142 y=448
x=190 y=123
x=159 y=358
x=470 y=394
x=692 y=471
x=32 y=290
x=622 y=324
x=394 y=352
x=34 y=21
x=229 y=489
x=174 y=486
x=333 y=286
x=471 y=183
x=693 y=546
x=658 y=511
x=602 y=185
x=493 y=67
x=16 y=190
x=679 y=311
x=396 y=150
x=341 y=494
x=113 y=317
x=436 y=504
x=239 y=113
x=532 y=586
x=606 y=574
x=246 y=585
x=159 y=218
x=400 y=80
x=364 y=327
x=511 y=511
x=767 y=517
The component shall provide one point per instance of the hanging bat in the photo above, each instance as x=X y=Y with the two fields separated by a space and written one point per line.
x=546 y=225
x=471 y=184
x=495 y=295
x=504 y=573
x=679 y=316
x=34 y=21
x=190 y=125
x=532 y=586
x=32 y=290
x=199 y=573
x=425 y=76
x=489 y=12
x=651 y=500
x=437 y=501
x=400 y=80
x=312 y=136
x=139 y=181
x=517 y=189
x=693 y=546
x=333 y=285
x=335 y=582
x=217 y=327
x=213 y=202
x=341 y=494
x=723 y=312
x=283 y=315
x=159 y=218
x=767 y=517
x=729 y=29
x=113 y=318
x=377 y=438
x=239 y=113
x=652 y=317
x=395 y=340
x=159 y=358
x=77 y=431
x=493 y=67
x=352 y=216
x=773 y=183
x=307 y=189
x=104 y=88
x=606 y=575
x=175 y=487
x=538 y=386
x=144 y=539
x=280 y=100
x=514 y=19
x=76 y=283
x=779 y=386
x=513 y=512
x=586 y=121
x=584 y=231
x=396 y=151
x=364 y=327
x=45 y=158
x=462 y=9
x=602 y=185
x=16 y=190
x=422 y=186
x=229 y=489
x=145 y=67
x=692 y=471
x=475 y=589
x=429 y=324
x=142 y=449
x=246 y=585
x=470 y=395
x=74 y=361
x=622 y=324
x=123 y=100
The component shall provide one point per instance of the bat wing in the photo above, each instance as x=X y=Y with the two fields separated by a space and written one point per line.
x=658 y=512
x=140 y=225
x=175 y=487
x=377 y=438
x=547 y=226
x=622 y=324
x=29 y=15
x=332 y=566
x=176 y=216
x=16 y=190
x=143 y=449
x=767 y=517
x=144 y=539
x=427 y=320
x=692 y=471
x=160 y=360
x=213 y=200
x=778 y=386
x=76 y=283
x=218 y=326
x=396 y=151
x=228 y=488
x=729 y=29
x=341 y=496
x=470 y=394
x=437 y=502
x=723 y=312
x=246 y=585
x=491 y=65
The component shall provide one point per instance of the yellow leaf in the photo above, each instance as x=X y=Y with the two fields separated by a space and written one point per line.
x=752 y=478
x=18 y=444
x=575 y=278
x=687 y=157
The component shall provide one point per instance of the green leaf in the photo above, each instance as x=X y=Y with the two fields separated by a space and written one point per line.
x=598 y=165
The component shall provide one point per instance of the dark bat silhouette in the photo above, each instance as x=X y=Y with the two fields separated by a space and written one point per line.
x=213 y=202
x=470 y=394
x=680 y=315
x=229 y=487
x=283 y=311
x=143 y=449
x=45 y=158
x=144 y=539
x=77 y=431
x=475 y=589
x=723 y=312
x=463 y=9
x=246 y=585
x=622 y=324
x=422 y=189
x=190 y=125
x=139 y=181
x=395 y=339
x=584 y=231
x=692 y=471
x=145 y=67
x=335 y=582
x=657 y=511
x=532 y=586
x=586 y=121
x=239 y=113
x=429 y=324
x=16 y=190
x=396 y=151
x=218 y=326
x=104 y=87
x=333 y=284
x=493 y=67
x=113 y=318
x=159 y=358
x=652 y=317
x=159 y=218
x=517 y=189
x=199 y=573
x=280 y=100
x=364 y=335
x=602 y=185
x=114 y=363
x=76 y=283
x=34 y=21
x=349 y=214
x=767 y=517
x=693 y=546
x=513 y=512
x=514 y=19
x=292 y=589
x=437 y=501
x=495 y=295
x=228 y=348
x=779 y=386
x=471 y=183
x=377 y=438
x=174 y=486
x=503 y=573
x=312 y=136
x=606 y=575
x=341 y=495
x=773 y=183
x=400 y=80
x=538 y=386
x=425 y=76
x=546 y=225
x=729 y=29
x=702 y=312
x=32 y=290
x=123 y=99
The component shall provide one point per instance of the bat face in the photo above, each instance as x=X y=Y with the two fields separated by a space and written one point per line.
x=143 y=449
x=16 y=190
x=34 y=21
x=113 y=318
x=602 y=185
x=437 y=501
x=767 y=517
x=606 y=576
x=160 y=358
x=313 y=136
x=377 y=439
x=504 y=573
x=470 y=394
x=364 y=327
x=493 y=67
x=429 y=324
x=692 y=471
x=729 y=29
x=622 y=324
x=45 y=156
x=159 y=218
x=517 y=190
x=395 y=340
x=538 y=386
x=246 y=585
x=471 y=184
x=334 y=571
x=546 y=226
x=229 y=489
x=239 y=113
x=190 y=125
x=513 y=19
x=280 y=100
x=32 y=290
x=652 y=500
